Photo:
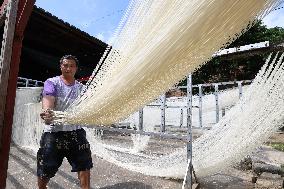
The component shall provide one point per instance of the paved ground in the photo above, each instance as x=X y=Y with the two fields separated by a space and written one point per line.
x=22 y=175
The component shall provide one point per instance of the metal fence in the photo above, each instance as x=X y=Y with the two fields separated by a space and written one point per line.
x=201 y=90
x=25 y=82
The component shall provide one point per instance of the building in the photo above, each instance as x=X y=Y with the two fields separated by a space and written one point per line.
x=47 y=38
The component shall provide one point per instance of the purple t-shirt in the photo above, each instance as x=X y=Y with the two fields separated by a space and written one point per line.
x=64 y=97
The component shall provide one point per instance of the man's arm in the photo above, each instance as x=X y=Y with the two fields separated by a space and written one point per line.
x=47 y=106
x=48 y=102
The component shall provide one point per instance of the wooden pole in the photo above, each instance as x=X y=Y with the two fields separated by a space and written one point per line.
x=23 y=12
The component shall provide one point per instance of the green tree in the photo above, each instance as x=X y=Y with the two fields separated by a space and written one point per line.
x=244 y=68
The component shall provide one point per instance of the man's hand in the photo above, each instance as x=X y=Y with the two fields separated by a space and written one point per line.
x=48 y=116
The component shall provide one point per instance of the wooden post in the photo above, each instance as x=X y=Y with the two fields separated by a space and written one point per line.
x=9 y=83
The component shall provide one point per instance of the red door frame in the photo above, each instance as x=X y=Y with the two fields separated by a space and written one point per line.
x=25 y=8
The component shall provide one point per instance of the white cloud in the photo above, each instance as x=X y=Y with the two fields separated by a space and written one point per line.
x=275 y=18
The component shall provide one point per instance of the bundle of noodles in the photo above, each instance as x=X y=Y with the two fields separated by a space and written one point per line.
x=157 y=44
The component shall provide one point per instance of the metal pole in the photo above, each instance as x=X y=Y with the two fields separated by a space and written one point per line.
x=27 y=82
x=163 y=113
x=216 y=102
x=200 y=105
x=240 y=89
x=188 y=178
x=223 y=112
x=181 y=118
x=140 y=126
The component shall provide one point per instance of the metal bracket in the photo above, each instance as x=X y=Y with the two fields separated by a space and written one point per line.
x=190 y=182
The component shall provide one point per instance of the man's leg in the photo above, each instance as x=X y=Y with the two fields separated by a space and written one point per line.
x=42 y=182
x=49 y=159
x=84 y=177
x=80 y=157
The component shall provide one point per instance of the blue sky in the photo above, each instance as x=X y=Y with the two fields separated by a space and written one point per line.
x=275 y=18
x=100 y=18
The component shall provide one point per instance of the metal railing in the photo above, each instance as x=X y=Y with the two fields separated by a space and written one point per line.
x=216 y=86
x=25 y=82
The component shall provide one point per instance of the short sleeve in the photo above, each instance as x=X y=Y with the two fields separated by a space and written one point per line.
x=49 y=88
x=82 y=87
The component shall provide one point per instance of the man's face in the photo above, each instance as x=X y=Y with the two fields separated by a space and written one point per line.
x=68 y=68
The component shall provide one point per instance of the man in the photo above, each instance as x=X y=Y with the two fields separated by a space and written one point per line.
x=59 y=141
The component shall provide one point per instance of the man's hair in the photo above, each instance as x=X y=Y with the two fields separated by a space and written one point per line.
x=69 y=57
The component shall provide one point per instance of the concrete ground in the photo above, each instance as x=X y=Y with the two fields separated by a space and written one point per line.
x=104 y=175
x=22 y=175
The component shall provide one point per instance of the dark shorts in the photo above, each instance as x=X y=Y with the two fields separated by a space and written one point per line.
x=54 y=146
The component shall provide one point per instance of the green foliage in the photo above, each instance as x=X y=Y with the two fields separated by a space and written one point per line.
x=255 y=34
x=278 y=146
x=246 y=68
x=259 y=33
x=275 y=35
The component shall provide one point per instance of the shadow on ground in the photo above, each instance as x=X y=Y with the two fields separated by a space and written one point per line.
x=22 y=175
x=224 y=181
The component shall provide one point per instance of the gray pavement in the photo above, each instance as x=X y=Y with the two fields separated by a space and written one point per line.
x=104 y=175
